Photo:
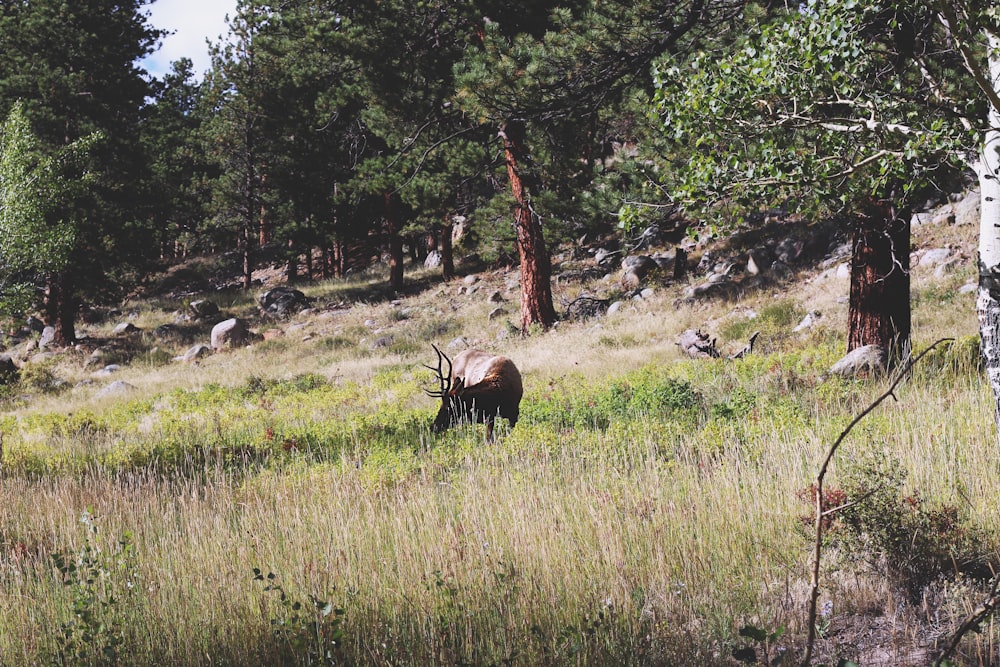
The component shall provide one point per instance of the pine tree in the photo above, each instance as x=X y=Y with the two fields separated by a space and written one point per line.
x=74 y=67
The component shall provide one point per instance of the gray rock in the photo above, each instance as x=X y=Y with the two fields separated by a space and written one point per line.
x=697 y=344
x=471 y=279
x=614 y=307
x=968 y=288
x=282 y=302
x=459 y=343
x=230 y=333
x=433 y=260
x=124 y=329
x=196 y=352
x=382 y=342
x=203 y=308
x=116 y=388
x=496 y=297
x=935 y=256
x=807 y=322
x=497 y=313
x=789 y=250
x=108 y=370
x=865 y=359
x=47 y=338
x=642 y=263
x=603 y=255
x=947 y=267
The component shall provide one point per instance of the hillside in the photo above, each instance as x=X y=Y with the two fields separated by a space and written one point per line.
x=646 y=507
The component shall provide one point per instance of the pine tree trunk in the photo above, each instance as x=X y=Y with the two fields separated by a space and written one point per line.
x=536 y=269
x=60 y=309
x=264 y=233
x=447 y=251
x=395 y=243
x=247 y=242
x=879 y=310
x=292 y=269
x=988 y=301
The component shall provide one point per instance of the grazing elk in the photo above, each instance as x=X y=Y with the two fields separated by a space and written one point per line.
x=477 y=387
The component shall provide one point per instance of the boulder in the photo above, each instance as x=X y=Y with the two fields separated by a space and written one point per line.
x=124 y=329
x=635 y=269
x=433 y=260
x=585 y=307
x=195 y=353
x=116 y=388
x=230 y=333
x=203 y=308
x=698 y=345
x=47 y=338
x=935 y=256
x=282 y=302
x=860 y=361
x=807 y=322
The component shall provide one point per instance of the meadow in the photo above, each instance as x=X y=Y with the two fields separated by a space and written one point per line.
x=287 y=504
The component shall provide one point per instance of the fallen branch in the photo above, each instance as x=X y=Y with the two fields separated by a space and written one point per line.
x=973 y=622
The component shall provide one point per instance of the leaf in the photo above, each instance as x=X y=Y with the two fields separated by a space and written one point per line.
x=754 y=633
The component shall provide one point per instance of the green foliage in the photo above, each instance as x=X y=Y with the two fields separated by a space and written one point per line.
x=101 y=587
x=41 y=377
x=766 y=643
x=308 y=633
x=901 y=536
x=817 y=104
x=35 y=241
x=773 y=320
x=646 y=393
x=960 y=358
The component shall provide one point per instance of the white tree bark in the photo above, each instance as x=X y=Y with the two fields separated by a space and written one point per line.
x=988 y=302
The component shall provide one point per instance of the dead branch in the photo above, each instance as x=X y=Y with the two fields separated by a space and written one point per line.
x=821 y=514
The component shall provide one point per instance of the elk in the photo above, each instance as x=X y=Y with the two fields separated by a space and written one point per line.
x=477 y=387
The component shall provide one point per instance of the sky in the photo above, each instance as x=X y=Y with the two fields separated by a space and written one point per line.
x=191 y=21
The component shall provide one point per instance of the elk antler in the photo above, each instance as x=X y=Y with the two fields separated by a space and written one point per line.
x=444 y=379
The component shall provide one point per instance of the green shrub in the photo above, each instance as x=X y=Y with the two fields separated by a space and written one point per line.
x=899 y=534
x=41 y=377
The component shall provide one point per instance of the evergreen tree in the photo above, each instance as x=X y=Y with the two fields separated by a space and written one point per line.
x=546 y=77
x=34 y=241
x=177 y=193
x=74 y=67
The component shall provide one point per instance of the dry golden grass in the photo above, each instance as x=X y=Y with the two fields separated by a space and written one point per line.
x=650 y=539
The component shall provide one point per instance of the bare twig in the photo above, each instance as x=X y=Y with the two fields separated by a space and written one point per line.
x=821 y=514
x=973 y=621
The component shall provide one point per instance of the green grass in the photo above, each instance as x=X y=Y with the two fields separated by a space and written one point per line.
x=645 y=508
x=634 y=519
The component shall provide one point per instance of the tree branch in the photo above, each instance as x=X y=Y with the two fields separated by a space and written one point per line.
x=820 y=514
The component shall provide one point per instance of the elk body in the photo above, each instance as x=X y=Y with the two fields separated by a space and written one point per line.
x=476 y=387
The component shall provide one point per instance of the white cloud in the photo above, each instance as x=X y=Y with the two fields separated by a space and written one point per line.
x=190 y=22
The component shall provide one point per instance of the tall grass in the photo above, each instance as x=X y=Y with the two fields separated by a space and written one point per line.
x=639 y=519
x=644 y=509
